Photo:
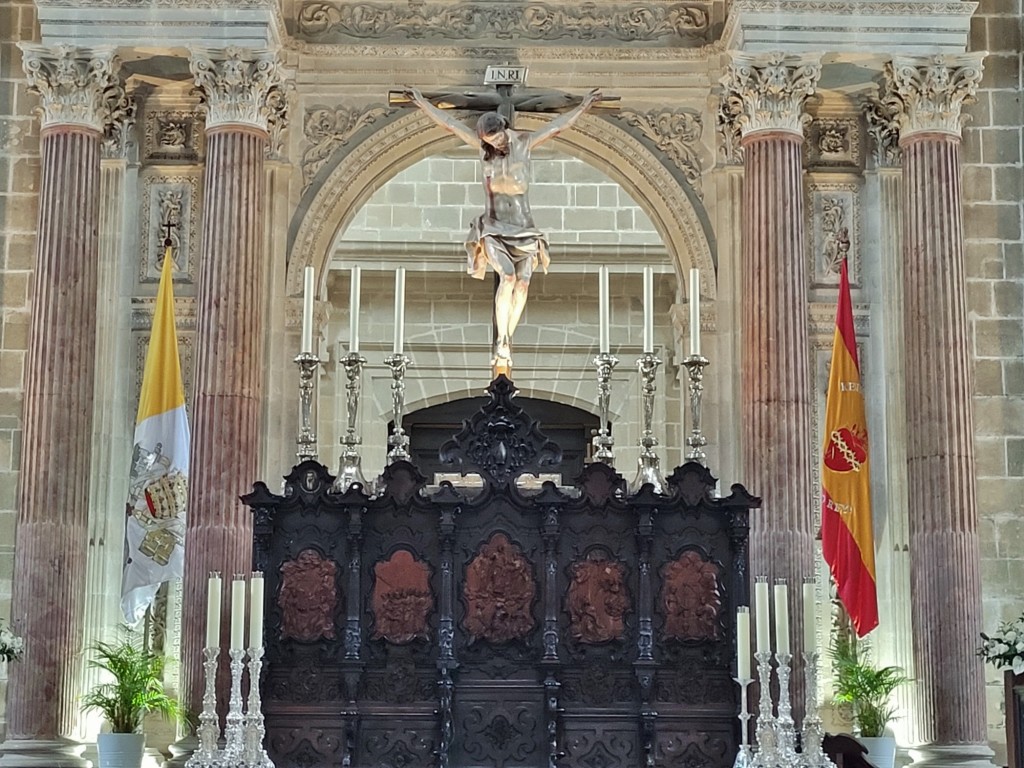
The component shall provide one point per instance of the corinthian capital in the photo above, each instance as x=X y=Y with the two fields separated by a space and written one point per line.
x=768 y=91
x=76 y=86
x=240 y=86
x=929 y=93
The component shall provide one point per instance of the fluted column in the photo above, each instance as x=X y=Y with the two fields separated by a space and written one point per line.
x=945 y=572
x=768 y=93
x=75 y=87
x=239 y=90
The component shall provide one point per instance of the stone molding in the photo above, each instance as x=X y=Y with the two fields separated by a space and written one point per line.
x=676 y=133
x=657 y=22
x=76 y=86
x=882 y=127
x=327 y=129
x=769 y=91
x=239 y=87
x=928 y=94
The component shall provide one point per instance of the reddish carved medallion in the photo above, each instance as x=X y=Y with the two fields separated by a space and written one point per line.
x=499 y=592
x=401 y=598
x=308 y=597
x=691 y=597
x=597 y=601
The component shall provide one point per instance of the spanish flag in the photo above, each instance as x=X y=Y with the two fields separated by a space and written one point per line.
x=846 y=532
x=155 y=520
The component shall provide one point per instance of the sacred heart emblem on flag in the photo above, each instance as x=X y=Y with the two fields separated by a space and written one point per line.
x=847 y=449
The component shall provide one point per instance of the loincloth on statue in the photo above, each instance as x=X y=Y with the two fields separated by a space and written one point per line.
x=518 y=242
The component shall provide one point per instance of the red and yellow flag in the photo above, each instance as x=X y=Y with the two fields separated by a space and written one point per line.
x=846 y=529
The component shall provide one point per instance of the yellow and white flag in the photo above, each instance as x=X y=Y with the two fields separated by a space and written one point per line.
x=155 y=527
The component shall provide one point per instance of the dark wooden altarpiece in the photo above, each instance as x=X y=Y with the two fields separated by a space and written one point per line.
x=496 y=626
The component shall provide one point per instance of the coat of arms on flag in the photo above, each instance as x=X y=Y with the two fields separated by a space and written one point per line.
x=157 y=488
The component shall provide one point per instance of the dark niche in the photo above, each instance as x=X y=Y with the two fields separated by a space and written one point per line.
x=499 y=592
x=691 y=597
x=401 y=598
x=308 y=597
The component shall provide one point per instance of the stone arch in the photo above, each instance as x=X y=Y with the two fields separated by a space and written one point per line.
x=684 y=229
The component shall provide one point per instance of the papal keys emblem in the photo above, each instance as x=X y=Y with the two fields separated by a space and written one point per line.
x=847 y=449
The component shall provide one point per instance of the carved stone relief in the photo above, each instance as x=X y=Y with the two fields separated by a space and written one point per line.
x=835 y=231
x=597 y=601
x=327 y=129
x=402 y=600
x=309 y=597
x=499 y=591
x=833 y=142
x=883 y=130
x=691 y=598
x=172 y=136
x=676 y=133
x=172 y=199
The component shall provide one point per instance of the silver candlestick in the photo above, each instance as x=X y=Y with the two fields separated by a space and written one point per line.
x=234 y=736
x=208 y=754
x=812 y=755
x=306 y=440
x=398 y=441
x=254 y=755
x=767 y=748
x=785 y=733
x=648 y=465
x=696 y=440
x=745 y=757
x=349 y=469
x=604 y=443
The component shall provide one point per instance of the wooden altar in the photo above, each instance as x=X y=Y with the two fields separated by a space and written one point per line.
x=498 y=625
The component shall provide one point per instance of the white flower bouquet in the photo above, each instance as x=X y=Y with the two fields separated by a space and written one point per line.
x=11 y=646
x=1005 y=647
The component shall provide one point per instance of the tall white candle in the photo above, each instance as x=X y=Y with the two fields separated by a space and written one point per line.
x=694 y=311
x=810 y=616
x=648 y=309
x=256 y=610
x=604 y=311
x=237 y=614
x=764 y=643
x=307 y=312
x=743 y=642
x=353 y=310
x=781 y=617
x=213 y=590
x=399 y=310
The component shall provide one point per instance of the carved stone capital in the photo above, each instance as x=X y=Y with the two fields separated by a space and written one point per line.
x=239 y=86
x=768 y=91
x=77 y=86
x=884 y=130
x=928 y=93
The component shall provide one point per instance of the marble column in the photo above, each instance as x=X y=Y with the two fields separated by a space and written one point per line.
x=76 y=88
x=767 y=95
x=928 y=95
x=241 y=92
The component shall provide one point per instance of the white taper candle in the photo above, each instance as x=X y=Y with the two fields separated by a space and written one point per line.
x=353 y=310
x=399 y=310
x=604 y=311
x=781 y=617
x=743 y=642
x=648 y=309
x=761 y=618
x=694 y=311
x=256 y=610
x=237 y=614
x=307 y=311
x=213 y=591
x=810 y=616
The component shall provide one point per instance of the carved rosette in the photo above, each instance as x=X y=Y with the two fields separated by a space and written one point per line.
x=76 y=86
x=929 y=93
x=767 y=92
x=882 y=127
x=240 y=87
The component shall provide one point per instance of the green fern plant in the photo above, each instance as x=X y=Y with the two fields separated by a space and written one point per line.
x=867 y=687
x=136 y=689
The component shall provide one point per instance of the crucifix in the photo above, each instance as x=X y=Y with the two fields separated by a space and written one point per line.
x=504 y=236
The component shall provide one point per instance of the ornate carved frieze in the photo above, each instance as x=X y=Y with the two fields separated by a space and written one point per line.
x=833 y=141
x=928 y=94
x=119 y=132
x=691 y=598
x=767 y=92
x=883 y=129
x=308 y=597
x=327 y=129
x=499 y=592
x=659 y=23
x=76 y=86
x=239 y=87
x=172 y=136
x=833 y=214
x=173 y=199
x=402 y=599
x=674 y=132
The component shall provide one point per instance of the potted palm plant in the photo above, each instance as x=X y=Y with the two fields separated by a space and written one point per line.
x=869 y=689
x=136 y=689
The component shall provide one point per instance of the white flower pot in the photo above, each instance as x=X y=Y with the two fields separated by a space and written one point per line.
x=881 y=750
x=121 y=750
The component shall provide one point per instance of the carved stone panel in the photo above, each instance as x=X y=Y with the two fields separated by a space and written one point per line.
x=833 y=142
x=173 y=199
x=597 y=601
x=835 y=231
x=691 y=598
x=172 y=136
x=309 y=597
x=499 y=591
x=402 y=600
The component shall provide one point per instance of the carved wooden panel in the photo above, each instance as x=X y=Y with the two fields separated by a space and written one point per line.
x=499 y=592
x=401 y=598
x=691 y=598
x=597 y=601
x=308 y=597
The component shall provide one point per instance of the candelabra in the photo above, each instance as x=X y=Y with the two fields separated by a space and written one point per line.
x=696 y=440
x=785 y=734
x=208 y=754
x=254 y=755
x=349 y=469
x=812 y=755
x=604 y=443
x=767 y=755
x=398 y=441
x=306 y=440
x=234 y=731
x=648 y=468
x=745 y=757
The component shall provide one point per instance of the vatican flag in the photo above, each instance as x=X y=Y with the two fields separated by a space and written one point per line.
x=846 y=529
x=155 y=528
